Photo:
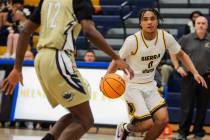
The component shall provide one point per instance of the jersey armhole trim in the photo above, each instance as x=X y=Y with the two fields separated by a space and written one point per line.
x=164 y=39
x=137 y=46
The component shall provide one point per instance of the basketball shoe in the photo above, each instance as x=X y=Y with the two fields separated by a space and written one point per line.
x=121 y=133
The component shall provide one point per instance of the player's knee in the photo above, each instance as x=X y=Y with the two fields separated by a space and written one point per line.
x=144 y=126
x=162 y=121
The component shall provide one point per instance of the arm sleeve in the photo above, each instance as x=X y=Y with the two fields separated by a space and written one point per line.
x=83 y=9
x=128 y=47
x=171 y=44
x=35 y=16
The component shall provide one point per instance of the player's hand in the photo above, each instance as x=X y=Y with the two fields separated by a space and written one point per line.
x=200 y=80
x=125 y=67
x=181 y=71
x=8 y=85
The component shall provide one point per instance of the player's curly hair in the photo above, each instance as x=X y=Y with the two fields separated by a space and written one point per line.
x=157 y=14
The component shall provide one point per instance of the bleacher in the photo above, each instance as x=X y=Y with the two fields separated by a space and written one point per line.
x=113 y=21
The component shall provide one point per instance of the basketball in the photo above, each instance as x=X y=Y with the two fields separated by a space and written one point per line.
x=112 y=85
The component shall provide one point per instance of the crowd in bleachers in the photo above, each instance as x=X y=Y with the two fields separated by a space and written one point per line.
x=13 y=16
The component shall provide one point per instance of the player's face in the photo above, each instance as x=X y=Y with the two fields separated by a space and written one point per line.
x=201 y=24
x=149 y=22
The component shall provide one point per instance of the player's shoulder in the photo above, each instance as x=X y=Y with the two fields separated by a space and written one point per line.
x=166 y=33
x=132 y=37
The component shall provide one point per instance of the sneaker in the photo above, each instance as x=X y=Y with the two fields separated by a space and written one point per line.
x=181 y=137
x=121 y=133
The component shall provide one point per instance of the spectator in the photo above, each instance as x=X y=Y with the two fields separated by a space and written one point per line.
x=89 y=56
x=29 y=55
x=190 y=27
x=20 y=16
x=197 y=46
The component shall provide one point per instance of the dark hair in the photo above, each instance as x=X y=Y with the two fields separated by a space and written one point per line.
x=195 y=12
x=90 y=50
x=17 y=2
x=156 y=13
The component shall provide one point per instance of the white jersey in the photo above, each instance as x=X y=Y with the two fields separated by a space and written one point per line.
x=143 y=56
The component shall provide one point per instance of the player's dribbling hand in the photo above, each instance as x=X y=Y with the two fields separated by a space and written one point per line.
x=200 y=80
x=8 y=85
x=125 y=67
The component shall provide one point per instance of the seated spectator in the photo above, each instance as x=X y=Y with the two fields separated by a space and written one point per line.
x=190 y=27
x=29 y=55
x=20 y=18
x=3 y=12
x=89 y=56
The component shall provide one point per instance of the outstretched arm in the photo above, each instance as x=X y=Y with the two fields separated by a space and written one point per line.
x=15 y=76
x=190 y=66
x=177 y=67
x=94 y=36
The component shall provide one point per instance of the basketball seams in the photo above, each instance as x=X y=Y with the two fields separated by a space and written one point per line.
x=122 y=83
x=111 y=86
x=117 y=77
x=105 y=90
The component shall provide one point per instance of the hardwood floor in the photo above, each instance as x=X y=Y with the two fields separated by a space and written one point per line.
x=104 y=134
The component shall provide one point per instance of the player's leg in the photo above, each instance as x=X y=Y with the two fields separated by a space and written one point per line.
x=60 y=83
x=140 y=117
x=160 y=118
x=82 y=120
x=63 y=121
x=59 y=126
x=124 y=129
x=158 y=109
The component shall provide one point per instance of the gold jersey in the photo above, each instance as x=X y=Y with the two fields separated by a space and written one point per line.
x=59 y=26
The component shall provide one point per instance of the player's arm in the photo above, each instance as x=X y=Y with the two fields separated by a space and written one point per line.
x=185 y=59
x=126 y=50
x=176 y=65
x=15 y=75
x=23 y=41
x=175 y=48
x=83 y=11
x=112 y=67
x=96 y=38
x=30 y=26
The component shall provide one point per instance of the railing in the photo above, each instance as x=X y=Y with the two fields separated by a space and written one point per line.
x=125 y=17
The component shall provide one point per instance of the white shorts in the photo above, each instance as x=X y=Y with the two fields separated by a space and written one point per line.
x=143 y=100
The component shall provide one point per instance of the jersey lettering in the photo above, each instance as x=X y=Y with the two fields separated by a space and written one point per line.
x=52 y=13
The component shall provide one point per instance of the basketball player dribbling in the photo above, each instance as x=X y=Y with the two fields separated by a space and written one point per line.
x=143 y=52
x=60 y=23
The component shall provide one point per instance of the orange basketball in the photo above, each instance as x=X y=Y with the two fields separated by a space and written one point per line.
x=112 y=85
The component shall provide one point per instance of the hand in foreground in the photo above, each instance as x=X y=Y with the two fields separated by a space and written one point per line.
x=125 y=67
x=200 y=80
x=8 y=85
x=181 y=71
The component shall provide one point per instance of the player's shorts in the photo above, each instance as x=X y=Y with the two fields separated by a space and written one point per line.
x=59 y=78
x=143 y=100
